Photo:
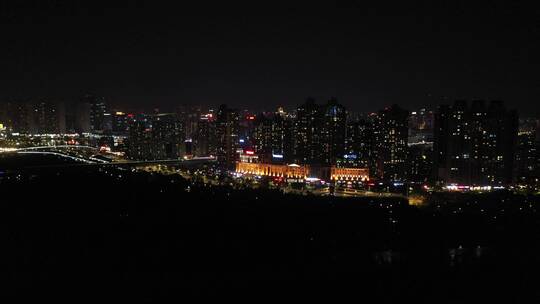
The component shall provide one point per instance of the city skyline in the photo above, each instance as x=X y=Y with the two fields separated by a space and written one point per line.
x=465 y=142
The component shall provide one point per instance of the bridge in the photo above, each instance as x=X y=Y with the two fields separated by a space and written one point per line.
x=86 y=156
x=51 y=147
x=91 y=160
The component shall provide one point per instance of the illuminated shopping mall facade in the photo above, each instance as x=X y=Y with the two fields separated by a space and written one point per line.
x=294 y=171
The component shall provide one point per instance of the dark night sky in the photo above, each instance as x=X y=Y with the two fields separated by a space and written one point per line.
x=143 y=55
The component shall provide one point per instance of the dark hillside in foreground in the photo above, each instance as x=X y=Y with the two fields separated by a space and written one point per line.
x=93 y=233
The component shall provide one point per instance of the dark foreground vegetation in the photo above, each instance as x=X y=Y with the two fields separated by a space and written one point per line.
x=114 y=234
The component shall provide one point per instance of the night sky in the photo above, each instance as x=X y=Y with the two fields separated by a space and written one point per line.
x=142 y=54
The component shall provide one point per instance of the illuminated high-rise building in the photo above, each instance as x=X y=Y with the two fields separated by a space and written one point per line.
x=319 y=133
x=46 y=117
x=391 y=136
x=307 y=137
x=527 y=166
x=246 y=130
x=205 y=139
x=107 y=123
x=420 y=142
x=156 y=137
x=332 y=132
x=140 y=141
x=227 y=128
x=189 y=116
x=167 y=136
x=420 y=162
x=282 y=137
x=18 y=116
x=359 y=146
x=119 y=123
x=98 y=111
x=262 y=137
x=421 y=124
x=475 y=144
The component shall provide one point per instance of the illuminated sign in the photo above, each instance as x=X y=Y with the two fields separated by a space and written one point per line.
x=350 y=156
x=242 y=140
x=277 y=156
x=249 y=152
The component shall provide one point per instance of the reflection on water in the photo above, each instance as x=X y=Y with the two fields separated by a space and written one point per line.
x=460 y=254
x=479 y=251
x=454 y=256
x=386 y=257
